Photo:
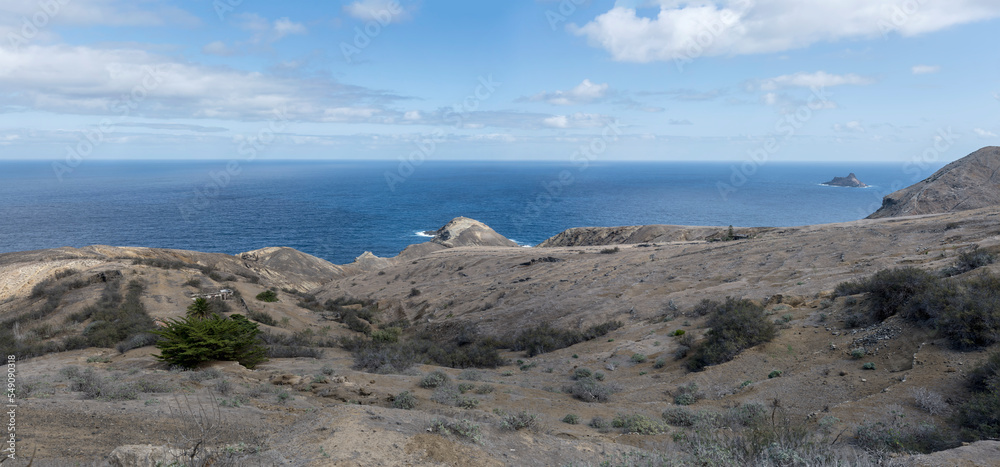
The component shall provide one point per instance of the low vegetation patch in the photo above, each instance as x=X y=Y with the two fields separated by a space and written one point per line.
x=966 y=310
x=545 y=338
x=735 y=325
x=638 y=424
x=979 y=417
x=590 y=390
x=461 y=428
x=267 y=296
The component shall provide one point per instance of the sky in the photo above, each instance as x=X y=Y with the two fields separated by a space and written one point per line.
x=663 y=80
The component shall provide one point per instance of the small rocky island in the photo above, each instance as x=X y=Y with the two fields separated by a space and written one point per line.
x=848 y=181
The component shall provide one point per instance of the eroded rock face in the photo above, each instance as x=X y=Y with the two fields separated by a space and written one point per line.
x=971 y=182
x=849 y=181
x=462 y=231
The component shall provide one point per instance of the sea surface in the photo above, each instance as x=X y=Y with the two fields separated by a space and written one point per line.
x=337 y=210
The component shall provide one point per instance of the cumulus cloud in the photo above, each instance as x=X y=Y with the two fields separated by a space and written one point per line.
x=584 y=93
x=984 y=133
x=266 y=31
x=218 y=48
x=688 y=30
x=925 y=69
x=383 y=11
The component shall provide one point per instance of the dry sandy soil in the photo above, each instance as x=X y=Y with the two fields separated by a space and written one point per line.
x=318 y=411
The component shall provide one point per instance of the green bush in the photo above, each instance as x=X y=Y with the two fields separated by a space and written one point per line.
x=545 y=338
x=735 y=325
x=404 y=400
x=262 y=317
x=434 y=379
x=774 y=374
x=889 y=290
x=572 y=419
x=637 y=423
x=687 y=394
x=589 y=390
x=267 y=296
x=581 y=373
x=190 y=341
x=660 y=363
x=113 y=322
x=979 y=417
x=638 y=358
x=868 y=366
x=970 y=259
x=462 y=428
x=518 y=421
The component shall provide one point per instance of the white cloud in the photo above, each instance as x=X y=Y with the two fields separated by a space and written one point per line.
x=266 y=31
x=218 y=48
x=688 y=30
x=128 y=82
x=819 y=79
x=925 y=69
x=383 y=11
x=984 y=133
x=852 y=126
x=584 y=93
x=412 y=115
x=577 y=120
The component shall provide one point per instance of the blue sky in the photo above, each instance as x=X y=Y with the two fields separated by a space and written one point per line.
x=783 y=80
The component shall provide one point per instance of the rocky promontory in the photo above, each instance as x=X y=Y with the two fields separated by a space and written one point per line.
x=850 y=181
x=971 y=182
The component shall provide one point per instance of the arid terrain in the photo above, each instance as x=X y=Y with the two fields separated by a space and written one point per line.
x=317 y=409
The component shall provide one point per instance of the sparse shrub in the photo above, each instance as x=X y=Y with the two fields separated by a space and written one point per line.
x=610 y=251
x=464 y=402
x=735 y=325
x=894 y=434
x=461 y=428
x=868 y=366
x=414 y=292
x=268 y=296
x=979 y=417
x=858 y=353
x=687 y=394
x=638 y=423
x=519 y=421
x=888 y=290
x=404 y=400
x=638 y=358
x=465 y=387
x=470 y=375
x=774 y=374
x=581 y=373
x=571 y=419
x=599 y=376
x=283 y=396
x=446 y=394
x=485 y=389
x=357 y=324
x=386 y=336
x=678 y=332
x=545 y=338
x=970 y=259
x=680 y=416
x=434 y=379
x=660 y=363
x=193 y=282
x=929 y=401
x=262 y=317
x=589 y=390
x=601 y=424
x=224 y=387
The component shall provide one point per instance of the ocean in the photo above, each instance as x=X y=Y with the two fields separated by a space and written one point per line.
x=336 y=210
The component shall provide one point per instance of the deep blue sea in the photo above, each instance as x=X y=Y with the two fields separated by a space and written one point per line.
x=338 y=209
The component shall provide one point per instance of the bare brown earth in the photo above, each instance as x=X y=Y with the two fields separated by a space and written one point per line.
x=345 y=417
